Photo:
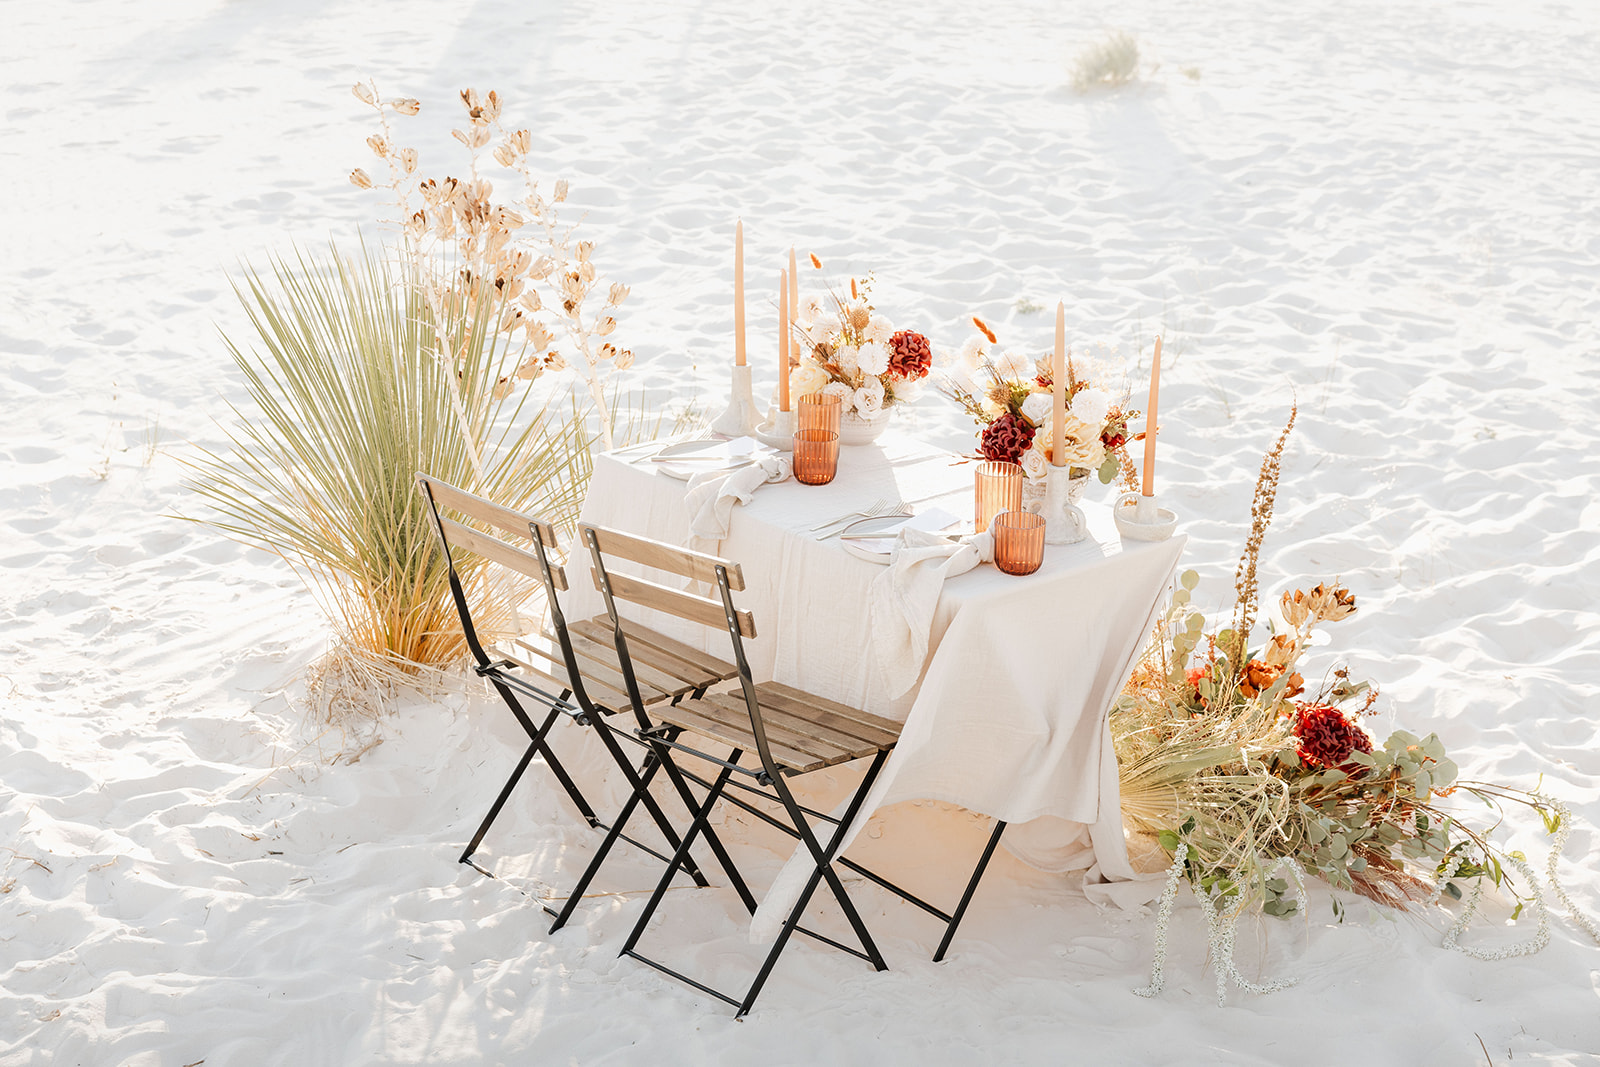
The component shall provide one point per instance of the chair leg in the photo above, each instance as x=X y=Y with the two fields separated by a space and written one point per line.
x=649 y=801
x=651 y=765
x=536 y=745
x=823 y=869
x=664 y=754
x=695 y=826
x=972 y=887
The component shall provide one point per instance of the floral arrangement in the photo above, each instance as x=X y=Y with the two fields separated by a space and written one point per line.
x=1012 y=398
x=1229 y=765
x=849 y=350
x=470 y=248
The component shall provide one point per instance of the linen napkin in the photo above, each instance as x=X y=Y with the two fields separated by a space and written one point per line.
x=712 y=495
x=905 y=596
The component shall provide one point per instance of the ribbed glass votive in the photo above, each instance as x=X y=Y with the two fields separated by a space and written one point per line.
x=818 y=411
x=1018 y=542
x=996 y=487
x=816 y=456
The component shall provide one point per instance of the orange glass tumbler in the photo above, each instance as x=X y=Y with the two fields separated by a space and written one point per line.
x=816 y=456
x=996 y=487
x=1018 y=542
x=818 y=411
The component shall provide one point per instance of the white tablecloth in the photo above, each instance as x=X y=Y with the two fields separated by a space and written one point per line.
x=1009 y=718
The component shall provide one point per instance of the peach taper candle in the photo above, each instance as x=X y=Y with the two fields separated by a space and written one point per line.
x=783 y=340
x=1058 y=380
x=1150 y=423
x=738 y=294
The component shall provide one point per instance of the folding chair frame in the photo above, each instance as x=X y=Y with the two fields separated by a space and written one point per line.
x=510 y=687
x=768 y=776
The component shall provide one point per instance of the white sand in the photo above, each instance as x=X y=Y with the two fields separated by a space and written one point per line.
x=1385 y=210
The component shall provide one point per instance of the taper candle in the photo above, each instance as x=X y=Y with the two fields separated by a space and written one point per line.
x=738 y=294
x=794 y=294
x=783 y=340
x=1150 y=423
x=1058 y=380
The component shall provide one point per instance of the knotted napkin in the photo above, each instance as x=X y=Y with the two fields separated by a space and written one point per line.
x=905 y=596
x=711 y=497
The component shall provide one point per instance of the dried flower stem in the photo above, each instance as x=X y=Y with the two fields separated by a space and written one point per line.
x=1244 y=582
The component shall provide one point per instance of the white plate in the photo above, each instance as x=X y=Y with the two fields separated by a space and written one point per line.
x=684 y=471
x=879 y=549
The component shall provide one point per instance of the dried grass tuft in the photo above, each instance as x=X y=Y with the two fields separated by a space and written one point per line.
x=1107 y=64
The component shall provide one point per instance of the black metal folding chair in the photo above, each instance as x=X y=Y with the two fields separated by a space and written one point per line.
x=583 y=679
x=791 y=732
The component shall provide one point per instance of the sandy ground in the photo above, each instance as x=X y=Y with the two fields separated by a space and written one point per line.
x=1383 y=211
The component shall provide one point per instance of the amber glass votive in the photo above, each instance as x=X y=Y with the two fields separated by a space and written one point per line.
x=996 y=487
x=1018 y=542
x=818 y=411
x=816 y=456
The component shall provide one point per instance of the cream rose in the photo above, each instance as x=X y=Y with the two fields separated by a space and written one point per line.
x=1034 y=465
x=807 y=378
x=1037 y=408
x=869 y=398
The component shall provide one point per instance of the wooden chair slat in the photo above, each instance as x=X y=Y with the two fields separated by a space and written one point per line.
x=836 y=726
x=718 y=724
x=644 y=671
x=659 y=650
x=783 y=729
x=602 y=695
x=597 y=674
x=865 y=718
x=662 y=556
x=703 y=662
x=703 y=610
x=497 y=515
x=493 y=548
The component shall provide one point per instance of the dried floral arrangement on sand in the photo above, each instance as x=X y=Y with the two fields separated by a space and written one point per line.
x=1247 y=780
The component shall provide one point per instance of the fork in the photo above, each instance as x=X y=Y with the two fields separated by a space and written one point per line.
x=851 y=516
x=876 y=510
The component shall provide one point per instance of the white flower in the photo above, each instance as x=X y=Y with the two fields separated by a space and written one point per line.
x=848 y=359
x=971 y=355
x=1038 y=407
x=846 y=395
x=878 y=329
x=1012 y=365
x=806 y=379
x=1091 y=405
x=874 y=359
x=1034 y=465
x=812 y=310
x=869 y=398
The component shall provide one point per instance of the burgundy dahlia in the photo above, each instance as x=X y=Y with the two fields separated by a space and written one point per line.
x=910 y=355
x=1006 y=438
x=1326 y=736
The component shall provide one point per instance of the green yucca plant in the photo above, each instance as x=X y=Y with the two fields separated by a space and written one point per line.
x=352 y=395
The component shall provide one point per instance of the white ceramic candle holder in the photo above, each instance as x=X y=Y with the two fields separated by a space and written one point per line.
x=777 y=431
x=739 y=420
x=1064 y=523
x=1140 y=519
